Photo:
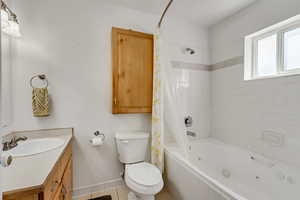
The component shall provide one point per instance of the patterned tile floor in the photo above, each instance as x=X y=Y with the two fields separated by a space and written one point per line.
x=120 y=193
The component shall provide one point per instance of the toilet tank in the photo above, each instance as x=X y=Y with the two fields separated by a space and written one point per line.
x=132 y=146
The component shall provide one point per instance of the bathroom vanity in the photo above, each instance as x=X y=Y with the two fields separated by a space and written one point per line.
x=41 y=175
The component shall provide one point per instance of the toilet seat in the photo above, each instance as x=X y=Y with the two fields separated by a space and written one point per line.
x=144 y=174
x=143 y=178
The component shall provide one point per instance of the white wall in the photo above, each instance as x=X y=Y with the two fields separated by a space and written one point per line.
x=69 y=41
x=227 y=37
x=6 y=83
x=242 y=110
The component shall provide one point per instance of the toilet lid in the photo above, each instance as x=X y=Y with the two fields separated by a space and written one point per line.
x=144 y=174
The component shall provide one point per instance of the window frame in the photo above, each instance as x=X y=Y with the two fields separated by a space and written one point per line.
x=255 y=53
x=282 y=32
x=251 y=50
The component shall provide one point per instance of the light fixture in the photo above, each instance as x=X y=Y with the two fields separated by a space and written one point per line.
x=13 y=28
x=4 y=19
x=9 y=21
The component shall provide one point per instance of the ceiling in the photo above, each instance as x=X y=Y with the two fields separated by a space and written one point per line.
x=204 y=12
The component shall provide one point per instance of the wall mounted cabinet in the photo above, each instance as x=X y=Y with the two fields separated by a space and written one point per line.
x=132 y=63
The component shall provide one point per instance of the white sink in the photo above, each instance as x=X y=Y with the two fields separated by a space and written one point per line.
x=35 y=146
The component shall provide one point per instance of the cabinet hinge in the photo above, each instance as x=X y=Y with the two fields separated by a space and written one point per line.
x=115 y=101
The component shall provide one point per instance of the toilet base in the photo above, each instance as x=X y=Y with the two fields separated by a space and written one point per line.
x=133 y=196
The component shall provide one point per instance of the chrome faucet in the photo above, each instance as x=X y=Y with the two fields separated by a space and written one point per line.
x=188 y=121
x=13 y=142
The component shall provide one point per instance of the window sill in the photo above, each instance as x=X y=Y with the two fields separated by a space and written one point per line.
x=273 y=76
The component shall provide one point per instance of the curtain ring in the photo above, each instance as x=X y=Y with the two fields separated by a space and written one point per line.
x=41 y=77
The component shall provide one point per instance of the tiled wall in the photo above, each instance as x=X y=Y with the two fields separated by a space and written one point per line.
x=242 y=110
x=193 y=86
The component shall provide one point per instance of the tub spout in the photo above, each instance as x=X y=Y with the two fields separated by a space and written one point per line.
x=190 y=133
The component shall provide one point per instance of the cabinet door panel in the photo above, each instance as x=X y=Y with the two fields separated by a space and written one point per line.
x=22 y=197
x=67 y=182
x=58 y=195
x=52 y=183
x=133 y=71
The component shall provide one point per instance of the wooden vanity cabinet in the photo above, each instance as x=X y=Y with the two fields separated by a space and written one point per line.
x=132 y=63
x=58 y=185
x=67 y=182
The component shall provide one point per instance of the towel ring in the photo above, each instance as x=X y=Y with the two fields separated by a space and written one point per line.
x=41 y=77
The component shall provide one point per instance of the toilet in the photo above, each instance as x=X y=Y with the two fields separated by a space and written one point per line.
x=142 y=178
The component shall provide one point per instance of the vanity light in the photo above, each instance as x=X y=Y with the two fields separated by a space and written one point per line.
x=4 y=19
x=13 y=27
x=9 y=21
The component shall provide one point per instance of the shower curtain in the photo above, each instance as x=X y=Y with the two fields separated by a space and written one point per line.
x=157 y=149
x=167 y=118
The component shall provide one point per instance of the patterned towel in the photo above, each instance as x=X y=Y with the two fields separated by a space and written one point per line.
x=40 y=102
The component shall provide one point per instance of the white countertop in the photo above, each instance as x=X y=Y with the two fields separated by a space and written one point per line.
x=32 y=171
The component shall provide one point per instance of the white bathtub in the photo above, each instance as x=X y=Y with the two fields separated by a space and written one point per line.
x=217 y=171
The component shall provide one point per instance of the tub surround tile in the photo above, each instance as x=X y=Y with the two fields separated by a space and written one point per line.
x=213 y=67
x=190 y=66
x=227 y=63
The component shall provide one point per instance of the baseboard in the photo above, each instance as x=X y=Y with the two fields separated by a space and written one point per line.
x=99 y=187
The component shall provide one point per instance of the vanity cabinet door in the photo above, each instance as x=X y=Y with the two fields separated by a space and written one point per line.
x=132 y=59
x=52 y=184
x=67 y=182
x=58 y=195
x=22 y=196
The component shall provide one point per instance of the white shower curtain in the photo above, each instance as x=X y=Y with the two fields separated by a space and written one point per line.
x=166 y=113
x=157 y=149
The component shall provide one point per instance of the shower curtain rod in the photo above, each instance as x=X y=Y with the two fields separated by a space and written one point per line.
x=164 y=13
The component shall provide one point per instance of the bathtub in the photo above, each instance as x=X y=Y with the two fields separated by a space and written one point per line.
x=218 y=171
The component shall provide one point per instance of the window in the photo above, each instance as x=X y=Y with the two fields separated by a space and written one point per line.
x=274 y=51
x=266 y=58
x=292 y=49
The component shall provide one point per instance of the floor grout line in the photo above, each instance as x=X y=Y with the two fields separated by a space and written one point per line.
x=121 y=193
x=117 y=194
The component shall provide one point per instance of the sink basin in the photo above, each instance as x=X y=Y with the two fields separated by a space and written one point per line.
x=35 y=146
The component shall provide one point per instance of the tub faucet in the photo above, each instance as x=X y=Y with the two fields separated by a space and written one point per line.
x=188 y=121
x=190 y=133
x=13 y=142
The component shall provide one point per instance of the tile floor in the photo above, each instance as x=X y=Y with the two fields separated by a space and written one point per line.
x=120 y=193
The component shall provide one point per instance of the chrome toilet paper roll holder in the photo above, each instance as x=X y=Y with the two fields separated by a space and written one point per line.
x=98 y=134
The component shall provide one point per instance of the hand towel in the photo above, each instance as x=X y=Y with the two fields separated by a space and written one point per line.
x=40 y=102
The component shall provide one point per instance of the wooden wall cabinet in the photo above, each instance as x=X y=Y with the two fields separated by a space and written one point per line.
x=58 y=185
x=132 y=63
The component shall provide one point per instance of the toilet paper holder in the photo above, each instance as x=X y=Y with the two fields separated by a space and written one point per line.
x=98 y=140
x=98 y=134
